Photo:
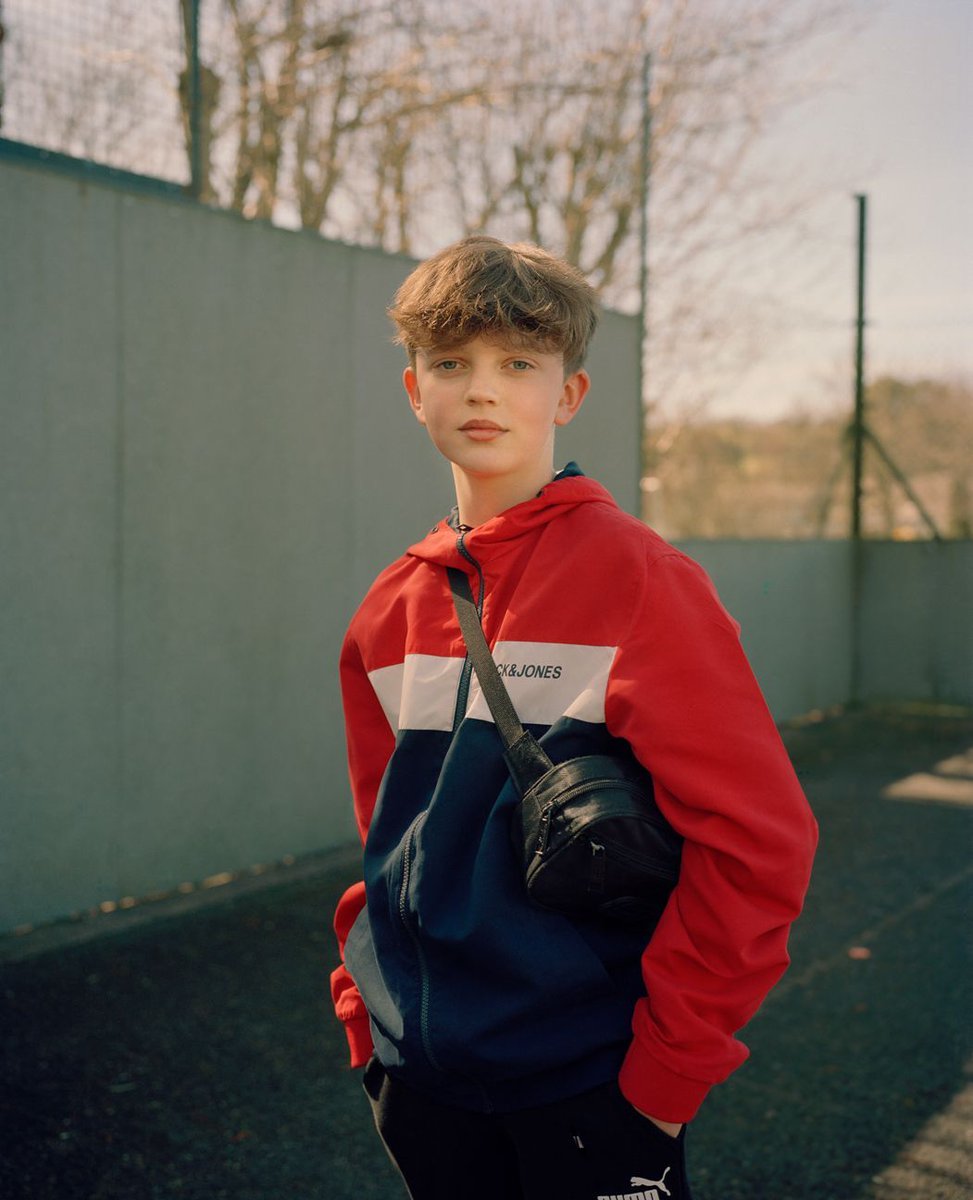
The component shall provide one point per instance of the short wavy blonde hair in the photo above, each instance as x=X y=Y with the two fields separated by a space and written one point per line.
x=482 y=287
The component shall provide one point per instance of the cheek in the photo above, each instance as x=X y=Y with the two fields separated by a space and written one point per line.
x=432 y=417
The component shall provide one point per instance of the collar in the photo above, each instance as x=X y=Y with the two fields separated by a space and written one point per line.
x=569 y=489
x=570 y=471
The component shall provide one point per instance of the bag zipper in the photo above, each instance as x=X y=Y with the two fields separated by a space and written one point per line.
x=614 y=850
x=600 y=852
x=579 y=789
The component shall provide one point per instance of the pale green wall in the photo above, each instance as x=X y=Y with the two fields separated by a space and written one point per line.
x=917 y=621
x=206 y=456
x=791 y=600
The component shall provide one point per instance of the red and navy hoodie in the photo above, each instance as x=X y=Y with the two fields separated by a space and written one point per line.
x=603 y=633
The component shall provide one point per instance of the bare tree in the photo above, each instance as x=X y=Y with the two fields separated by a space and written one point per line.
x=321 y=104
x=405 y=123
x=551 y=151
x=792 y=477
x=97 y=84
x=529 y=118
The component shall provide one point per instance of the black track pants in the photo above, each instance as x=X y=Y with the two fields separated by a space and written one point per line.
x=590 y=1147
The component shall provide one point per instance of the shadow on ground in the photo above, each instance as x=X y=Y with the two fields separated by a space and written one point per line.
x=195 y=1055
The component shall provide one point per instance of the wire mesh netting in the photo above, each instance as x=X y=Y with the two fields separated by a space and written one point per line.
x=402 y=124
x=96 y=81
x=365 y=121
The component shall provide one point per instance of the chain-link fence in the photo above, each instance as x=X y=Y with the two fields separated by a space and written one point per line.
x=332 y=115
x=404 y=123
x=102 y=82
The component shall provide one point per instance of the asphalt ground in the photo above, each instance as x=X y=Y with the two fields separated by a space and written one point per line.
x=189 y=1051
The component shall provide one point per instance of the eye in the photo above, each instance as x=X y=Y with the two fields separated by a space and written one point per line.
x=446 y=365
x=521 y=364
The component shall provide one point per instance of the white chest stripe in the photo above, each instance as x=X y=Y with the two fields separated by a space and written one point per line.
x=546 y=680
x=419 y=693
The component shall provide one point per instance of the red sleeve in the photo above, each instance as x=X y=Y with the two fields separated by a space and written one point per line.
x=683 y=694
x=370 y=742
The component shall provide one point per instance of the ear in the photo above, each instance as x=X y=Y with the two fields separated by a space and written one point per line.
x=572 y=397
x=411 y=382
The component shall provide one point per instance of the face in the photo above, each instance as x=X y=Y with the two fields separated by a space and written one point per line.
x=492 y=408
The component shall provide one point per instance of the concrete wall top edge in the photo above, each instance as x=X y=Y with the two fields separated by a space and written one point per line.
x=148 y=188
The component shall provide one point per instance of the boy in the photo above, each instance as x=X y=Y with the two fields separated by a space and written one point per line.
x=514 y=1054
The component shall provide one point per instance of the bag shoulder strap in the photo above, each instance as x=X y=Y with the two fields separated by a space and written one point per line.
x=526 y=759
x=497 y=696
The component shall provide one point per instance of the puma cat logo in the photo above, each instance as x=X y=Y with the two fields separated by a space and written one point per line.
x=652 y=1189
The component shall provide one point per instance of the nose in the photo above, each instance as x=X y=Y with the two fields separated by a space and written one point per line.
x=481 y=387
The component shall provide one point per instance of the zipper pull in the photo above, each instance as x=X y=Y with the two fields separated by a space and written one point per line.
x=599 y=864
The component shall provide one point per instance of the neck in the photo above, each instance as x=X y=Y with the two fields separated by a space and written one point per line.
x=479 y=499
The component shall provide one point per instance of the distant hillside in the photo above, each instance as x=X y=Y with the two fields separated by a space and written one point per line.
x=792 y=478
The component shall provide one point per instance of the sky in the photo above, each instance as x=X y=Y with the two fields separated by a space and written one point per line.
x=894 y=122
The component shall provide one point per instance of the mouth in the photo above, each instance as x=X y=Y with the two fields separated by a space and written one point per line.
x=482 y=431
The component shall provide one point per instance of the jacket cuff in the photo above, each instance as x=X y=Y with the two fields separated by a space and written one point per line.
x=658 y=1091
x=359 y=1035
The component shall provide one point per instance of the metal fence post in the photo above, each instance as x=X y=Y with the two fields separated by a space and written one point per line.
x=195 y=105
x=858 y=447
x=645 y=167
x=858 y=426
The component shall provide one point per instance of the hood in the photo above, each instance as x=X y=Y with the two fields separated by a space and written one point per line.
x=569 y=489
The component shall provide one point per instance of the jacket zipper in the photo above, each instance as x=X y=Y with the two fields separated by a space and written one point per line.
x=462 y=696
x=409 y=926
x=410 y=844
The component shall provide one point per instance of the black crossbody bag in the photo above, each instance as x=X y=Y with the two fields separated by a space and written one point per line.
x=588 y=831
